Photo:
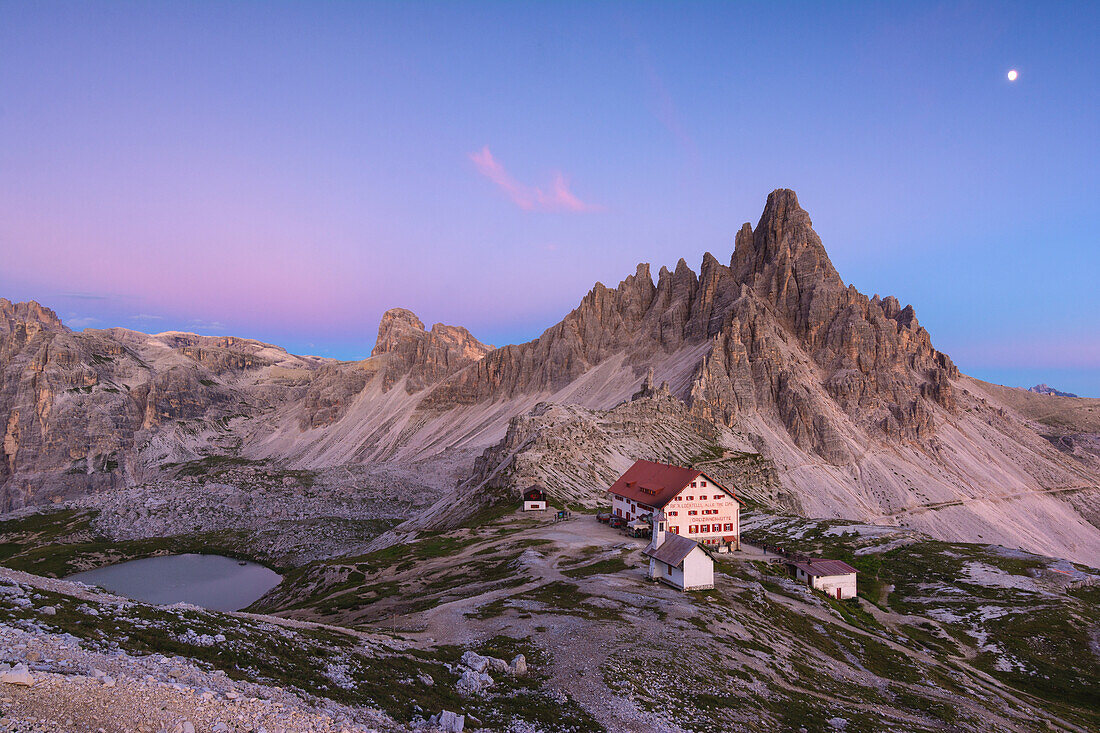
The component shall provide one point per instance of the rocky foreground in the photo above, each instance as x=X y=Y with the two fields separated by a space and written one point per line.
x=524 y=624
x=52 y=680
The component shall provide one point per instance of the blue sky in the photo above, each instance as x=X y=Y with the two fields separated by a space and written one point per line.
x=287 y=171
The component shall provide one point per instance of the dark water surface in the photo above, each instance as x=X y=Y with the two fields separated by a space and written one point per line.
x=211 y=581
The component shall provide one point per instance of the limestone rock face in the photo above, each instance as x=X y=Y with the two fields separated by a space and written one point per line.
x=576 y=453
x=787 y=338
x=844 y=401
x=75 y=408
x=423 y=357
x=866 y=356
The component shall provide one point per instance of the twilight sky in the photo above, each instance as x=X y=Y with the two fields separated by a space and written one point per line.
x=287 y=171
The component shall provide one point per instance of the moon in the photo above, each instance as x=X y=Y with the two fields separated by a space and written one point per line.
x=1012 y=75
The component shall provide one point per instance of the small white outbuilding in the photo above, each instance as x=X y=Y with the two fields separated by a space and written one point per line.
x=835 y=578
x=534 y=499
x=678 y=561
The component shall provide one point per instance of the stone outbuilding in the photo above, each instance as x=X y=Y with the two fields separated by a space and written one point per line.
x=835 y=578
x=678 y=561
x=534 y=499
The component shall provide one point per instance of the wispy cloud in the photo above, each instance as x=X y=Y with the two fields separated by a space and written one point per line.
x=146 y=317
x=660 y=99
x=80 y=322
x=558 y=197
x=199 y=325
x=86 y=296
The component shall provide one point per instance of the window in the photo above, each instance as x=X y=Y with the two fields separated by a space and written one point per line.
x=693 y=484
x=618 y=512
x=692 y=513
x=704 y=528
x=691 y=498
x=693 y=529
x=703 y=484
x=702 y=498
x=672 y=514
x=674 y=530
x=729 y=527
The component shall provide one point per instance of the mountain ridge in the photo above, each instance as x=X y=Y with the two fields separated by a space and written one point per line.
x=844 y=394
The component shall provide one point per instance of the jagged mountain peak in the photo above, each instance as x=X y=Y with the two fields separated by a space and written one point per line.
x=396 y=326
x=30 y=312
x=783 y=259
x=843 y=392
x=426 y=356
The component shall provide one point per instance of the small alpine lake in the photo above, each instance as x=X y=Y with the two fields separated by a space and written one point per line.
x=210 y=581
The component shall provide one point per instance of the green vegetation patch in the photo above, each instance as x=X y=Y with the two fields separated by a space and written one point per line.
x=600 y=567
x=58 y=544
x=317 y=662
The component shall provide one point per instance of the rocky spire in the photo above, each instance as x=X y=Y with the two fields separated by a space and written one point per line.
x=784 y=261
x=28 y=313
x=397 y=327
x=425 y=356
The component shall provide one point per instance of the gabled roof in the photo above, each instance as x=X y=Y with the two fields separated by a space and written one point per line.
x=655 y=484
x=673 y=550
x=534 y=491
x=823 y=568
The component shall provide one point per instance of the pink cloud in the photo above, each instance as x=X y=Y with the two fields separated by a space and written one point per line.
x=530 y=198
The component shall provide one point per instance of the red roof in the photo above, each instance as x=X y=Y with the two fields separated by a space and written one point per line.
x=655 y=484
x=820 y=568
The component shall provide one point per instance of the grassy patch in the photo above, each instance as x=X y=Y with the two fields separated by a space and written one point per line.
x=600 y=567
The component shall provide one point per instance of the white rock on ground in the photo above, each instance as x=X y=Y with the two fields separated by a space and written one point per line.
x=19 y=675
x=475 y=661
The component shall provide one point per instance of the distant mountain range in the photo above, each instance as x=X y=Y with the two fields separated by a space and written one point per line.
x=1047 y=389
x=839 y=399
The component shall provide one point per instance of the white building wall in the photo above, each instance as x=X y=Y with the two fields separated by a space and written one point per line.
x=533 y=505
x=621 y=507
x=715 y=512
x=829 y=584
x=698 y=571
x=666 y=573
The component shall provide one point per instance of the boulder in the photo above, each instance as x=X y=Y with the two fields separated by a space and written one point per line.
x=448 y=722
x=473 y=683
x=475 y=661
x=19 y=675
x=519 y=665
